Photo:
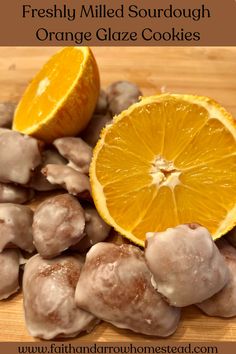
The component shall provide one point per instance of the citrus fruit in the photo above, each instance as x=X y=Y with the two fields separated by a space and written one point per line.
x=61 y=98
x=167 y=160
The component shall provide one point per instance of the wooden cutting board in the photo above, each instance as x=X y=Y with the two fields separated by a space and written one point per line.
x=203 y=71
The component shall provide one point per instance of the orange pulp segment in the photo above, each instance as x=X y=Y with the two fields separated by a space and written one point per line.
x=61 y=98
x=167 y=160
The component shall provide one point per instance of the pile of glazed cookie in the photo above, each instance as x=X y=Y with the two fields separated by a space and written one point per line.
x=72 y=279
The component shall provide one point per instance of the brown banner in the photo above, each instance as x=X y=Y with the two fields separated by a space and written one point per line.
x=114 y=22
x=110 y=348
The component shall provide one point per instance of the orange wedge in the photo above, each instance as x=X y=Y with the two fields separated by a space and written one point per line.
x=61 y=98
x=167 y=160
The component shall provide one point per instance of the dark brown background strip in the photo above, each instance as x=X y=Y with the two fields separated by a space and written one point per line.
x=114 y=22
x=110 y=348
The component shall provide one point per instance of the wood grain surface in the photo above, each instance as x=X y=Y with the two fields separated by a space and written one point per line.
x=201 y=70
